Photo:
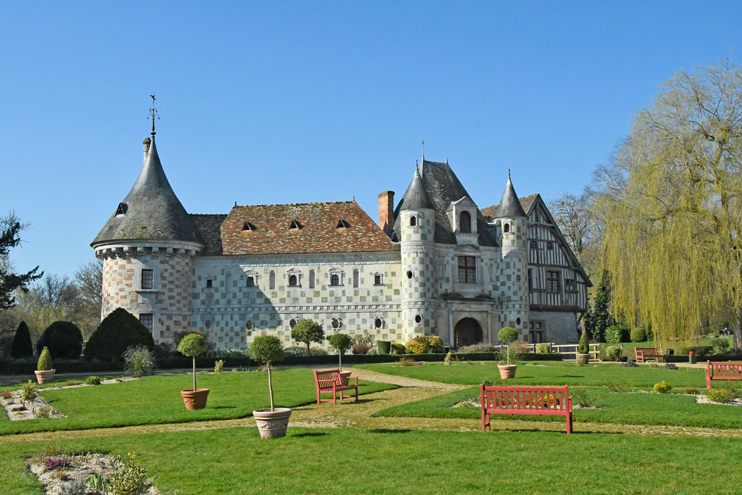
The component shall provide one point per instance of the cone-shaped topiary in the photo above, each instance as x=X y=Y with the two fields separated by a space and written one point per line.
x=116 y=333
x=45 y=361
x=63 y=338
x=22 y=345
x=584 y=345
x=193 y=345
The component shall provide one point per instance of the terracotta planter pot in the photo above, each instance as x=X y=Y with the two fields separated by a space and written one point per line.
x=44 y=376
x=195 y=399
x=585 y=358
x=272 y=424
x=344 y=376
x=507 y=370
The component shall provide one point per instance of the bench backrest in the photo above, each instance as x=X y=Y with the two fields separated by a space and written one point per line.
x=724 y=371
x=525 y=398
x=647 y=351
x=325 y=378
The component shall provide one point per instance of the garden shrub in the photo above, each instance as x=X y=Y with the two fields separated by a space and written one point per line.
x=140 y=360
x=398 y=349
x=719 y=395
x=406 y=361
x=582 y=398
x=638 y=335
x=93 y=380
x=616 y=386
x=584 y=346
x=698 y=350
x=720 y=346
x=117 y=332
x=543 y=349
x=28 y=391
x=616 y=334
x=301 y=351
x=128 y=477
x=22 y=345
x=45 y=361
x=63 y=338
x=219 y=366
x=507 y=335
x=662 y=387
x=477 y=348
x=611 y=353
x=425 y=344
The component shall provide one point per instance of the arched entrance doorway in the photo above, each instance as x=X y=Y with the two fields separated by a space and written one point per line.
x=467 y=332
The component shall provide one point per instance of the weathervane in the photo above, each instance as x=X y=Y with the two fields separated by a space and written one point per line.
x=153 y=114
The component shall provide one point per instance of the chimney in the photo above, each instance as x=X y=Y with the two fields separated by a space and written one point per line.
x=146 y=143
x=386 y=211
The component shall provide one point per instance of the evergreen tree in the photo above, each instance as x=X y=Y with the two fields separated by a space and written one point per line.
x=22 y=345
x=600 y=317
x=10 y=229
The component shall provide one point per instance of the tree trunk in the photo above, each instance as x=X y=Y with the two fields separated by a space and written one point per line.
x=194 y=373
x=270 y=385
x=340 y=359
x=309 y=351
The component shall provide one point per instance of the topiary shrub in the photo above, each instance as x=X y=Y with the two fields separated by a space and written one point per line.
x=507 y=335
x=616 y=334
x=63 y=338
x=193 y=345
x=341 y=343
x=584 y=346
x=611 y=353
x=116 y=333
x=267 y=349
x=398 y=349
x=22 y=345
x=425 y=344
x=662 y=387
x=45 y=361
x=638 y=335
x=543 y=349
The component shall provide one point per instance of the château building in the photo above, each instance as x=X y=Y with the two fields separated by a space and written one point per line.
x=434 y=264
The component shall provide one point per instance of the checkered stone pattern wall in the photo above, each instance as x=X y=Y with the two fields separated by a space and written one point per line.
x=233 y=313
x=513 y=276
x=418 y=260
x=169 y=299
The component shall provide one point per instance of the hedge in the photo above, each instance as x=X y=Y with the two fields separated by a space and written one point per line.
x=117 y=332
x=63 y=338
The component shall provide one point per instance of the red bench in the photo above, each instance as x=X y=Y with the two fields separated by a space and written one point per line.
x=722 y=371
x=541 y=401
x=643 y=353
x=330 y=382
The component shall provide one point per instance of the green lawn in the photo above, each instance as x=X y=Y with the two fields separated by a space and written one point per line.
x=622 y=408
x=547 y=374
x=156 y=399
x=347 y=461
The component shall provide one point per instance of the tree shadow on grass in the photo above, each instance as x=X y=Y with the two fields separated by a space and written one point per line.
x=308 y=434
x=384 y=430
x=223 y=407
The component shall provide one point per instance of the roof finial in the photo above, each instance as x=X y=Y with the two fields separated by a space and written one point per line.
x=423 y=149
x=508 y=174
x=446 y=154
x=153 y=114
x=417 y=167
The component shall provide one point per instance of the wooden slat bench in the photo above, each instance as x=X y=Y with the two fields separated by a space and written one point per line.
x=329 y=382
x=643 y=353
x=539 y=401
x=722 y=371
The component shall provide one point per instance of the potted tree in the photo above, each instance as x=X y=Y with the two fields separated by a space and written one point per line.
x=272 y=423
x=44 y=371
x=507 y=370
x=583 y=349
x=193 y=345
x=341 y=343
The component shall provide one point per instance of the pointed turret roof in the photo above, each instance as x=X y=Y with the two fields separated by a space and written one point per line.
x=416 y=197
x=510 y=206
x=151 y=211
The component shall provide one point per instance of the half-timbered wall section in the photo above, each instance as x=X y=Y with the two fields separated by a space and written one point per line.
x=556 y=280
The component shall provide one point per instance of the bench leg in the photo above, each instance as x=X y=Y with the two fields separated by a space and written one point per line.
x=569 y=423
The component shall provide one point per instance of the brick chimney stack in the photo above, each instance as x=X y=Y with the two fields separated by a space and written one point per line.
x=386 y=211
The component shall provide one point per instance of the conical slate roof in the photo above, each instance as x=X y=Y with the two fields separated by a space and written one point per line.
x=510 y=206
x=151 y=211
x=415 y=197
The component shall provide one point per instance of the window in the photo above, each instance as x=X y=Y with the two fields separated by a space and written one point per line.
x=292 y=323
x=148 y=279
x=569 y=284
x=248 y=325
x=517 y=278
x=377 y=280
x=534 y=244
x=465 y=222
x=342 y=224
x=295 y=225
x=336 y=323
x=378 y=323
x=334 y=279
x=251 y=281
x=121 y=210
x=518 y=321
x=530 y=281
x=355 y=279
x=209 y=283
x=272 y=280
x=413 y=221
x=147 y=320
x=506 y=228
x=248 y=227
x=228 y=283
x=293 y=281
x=418 y=319
x=467 y=270
x=409 y=274
x=311 y=279
x=550 y=246
x=552 y=281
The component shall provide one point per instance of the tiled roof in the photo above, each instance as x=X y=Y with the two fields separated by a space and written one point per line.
x=318 y=232
x=210 y=228
x=527 y=202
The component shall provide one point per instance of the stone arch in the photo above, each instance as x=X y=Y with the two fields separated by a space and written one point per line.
x=467 y=331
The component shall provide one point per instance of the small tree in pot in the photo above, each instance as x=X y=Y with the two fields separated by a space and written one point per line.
x=507 y=335
x=273 y=422
x=341 y=343
x=44 y=371
x=583 y=349
x=193 y=345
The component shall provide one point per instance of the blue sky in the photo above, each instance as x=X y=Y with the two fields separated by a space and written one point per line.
x=289 y=102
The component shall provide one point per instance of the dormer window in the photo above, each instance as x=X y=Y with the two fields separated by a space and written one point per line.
x=465 y=222
x=248 y=227
x=342 y=224
x=121 y=210
x=506 y=228
x=413 y=221
x=295 y=225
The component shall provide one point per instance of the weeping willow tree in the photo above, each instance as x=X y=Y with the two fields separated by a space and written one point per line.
x=670 y=202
